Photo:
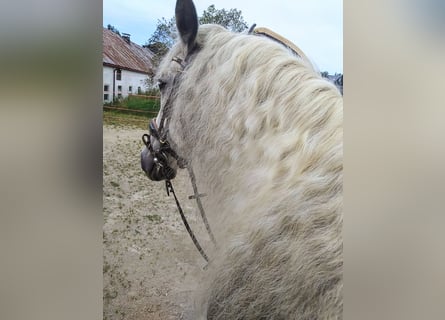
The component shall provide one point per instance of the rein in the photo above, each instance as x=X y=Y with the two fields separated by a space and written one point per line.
x=196 y=196
x=160 y=158
x=169 y=188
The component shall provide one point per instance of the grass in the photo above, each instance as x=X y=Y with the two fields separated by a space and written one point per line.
x=125 y=119
x=133 y=111
x=141 y=103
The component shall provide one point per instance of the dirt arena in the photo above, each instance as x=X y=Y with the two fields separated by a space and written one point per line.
x=150 y=265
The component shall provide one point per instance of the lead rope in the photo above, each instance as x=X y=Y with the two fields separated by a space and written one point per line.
x=169 y=187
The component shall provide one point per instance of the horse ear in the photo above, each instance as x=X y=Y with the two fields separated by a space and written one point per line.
x=187 y=22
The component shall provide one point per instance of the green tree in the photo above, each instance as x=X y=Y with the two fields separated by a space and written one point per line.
x=231 y=19
x=164 y=36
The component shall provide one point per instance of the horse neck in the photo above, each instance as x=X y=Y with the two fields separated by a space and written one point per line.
x=246 y=119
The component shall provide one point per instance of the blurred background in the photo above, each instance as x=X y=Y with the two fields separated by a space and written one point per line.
x=51 y=166
x=394 y=153
x=51 y=159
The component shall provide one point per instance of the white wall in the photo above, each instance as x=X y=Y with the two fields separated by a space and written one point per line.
x=129 y=78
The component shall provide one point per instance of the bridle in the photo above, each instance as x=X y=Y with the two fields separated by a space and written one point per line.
x=160 y=135
x=160 y=153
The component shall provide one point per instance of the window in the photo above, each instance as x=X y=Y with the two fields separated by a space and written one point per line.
x=119 y=88
x=139 y=90
x=106 y=97
x=130 y=89
x=106 y=87
x=118 y=74
x=119 y=95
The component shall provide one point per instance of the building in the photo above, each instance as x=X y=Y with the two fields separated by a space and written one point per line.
x=126 y=66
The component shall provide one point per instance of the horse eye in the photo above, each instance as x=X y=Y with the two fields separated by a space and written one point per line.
x=161 y=84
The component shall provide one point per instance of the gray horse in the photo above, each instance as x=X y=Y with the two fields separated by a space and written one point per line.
x=263 y=133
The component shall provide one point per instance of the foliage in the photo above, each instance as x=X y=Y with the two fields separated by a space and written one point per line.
x=165 y=34
x=163 y=37
x=152 y=87
x=231 y=19
x=114 y=29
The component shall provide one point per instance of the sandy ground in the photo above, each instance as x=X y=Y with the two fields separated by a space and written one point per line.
x=150 y=265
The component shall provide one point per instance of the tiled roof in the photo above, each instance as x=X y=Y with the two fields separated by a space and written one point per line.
x=117 y=52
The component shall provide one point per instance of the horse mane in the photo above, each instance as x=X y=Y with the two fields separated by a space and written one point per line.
x=239 y=88
x=263 y=131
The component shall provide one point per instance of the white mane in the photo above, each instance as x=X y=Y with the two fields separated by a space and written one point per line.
x=263 y=133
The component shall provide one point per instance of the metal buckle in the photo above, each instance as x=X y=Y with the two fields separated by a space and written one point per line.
x=146 y=140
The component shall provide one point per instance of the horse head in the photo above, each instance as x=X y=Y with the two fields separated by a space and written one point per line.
x=159 y=159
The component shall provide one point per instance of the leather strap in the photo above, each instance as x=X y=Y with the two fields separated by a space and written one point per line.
x=285 y=42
